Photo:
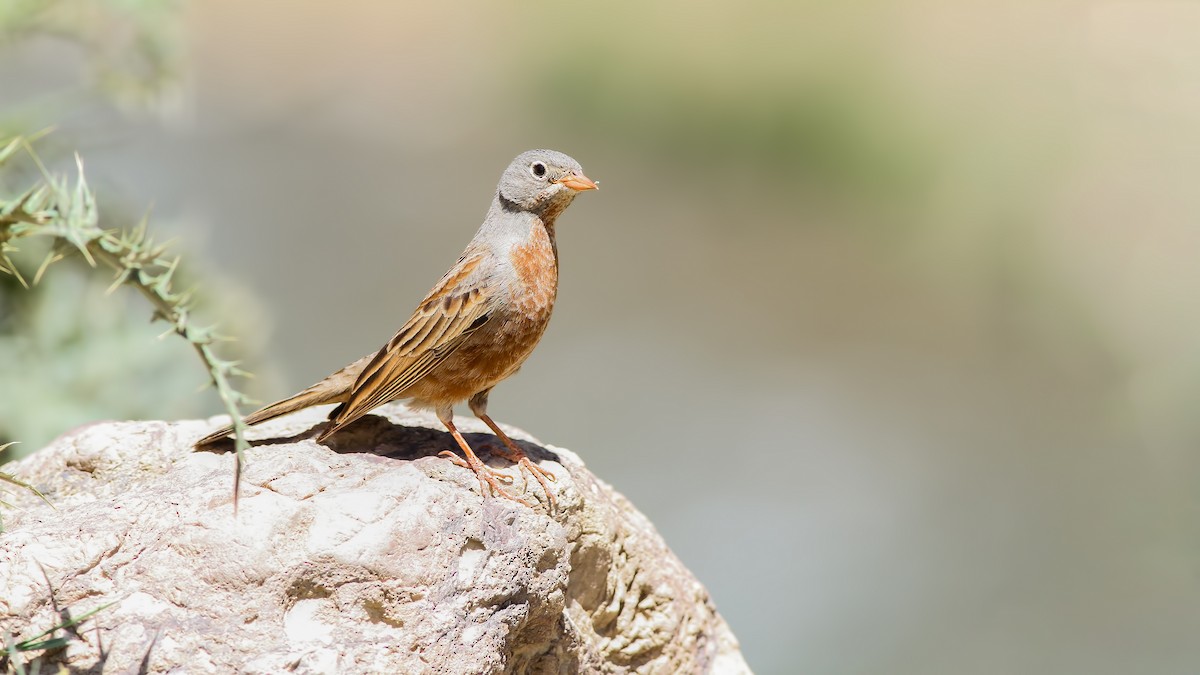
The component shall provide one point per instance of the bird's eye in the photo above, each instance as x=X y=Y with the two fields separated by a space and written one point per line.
x=538 y=170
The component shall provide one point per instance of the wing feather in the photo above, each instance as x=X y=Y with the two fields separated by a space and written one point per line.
x=449 y=314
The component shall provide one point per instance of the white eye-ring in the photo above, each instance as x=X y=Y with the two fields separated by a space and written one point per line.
x=538 y=170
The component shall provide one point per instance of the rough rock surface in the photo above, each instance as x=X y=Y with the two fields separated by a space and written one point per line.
x=373 y=556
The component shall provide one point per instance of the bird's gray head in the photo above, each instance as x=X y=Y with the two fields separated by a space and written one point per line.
x=542 y=181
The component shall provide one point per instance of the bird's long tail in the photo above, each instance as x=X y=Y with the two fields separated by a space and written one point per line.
x=333 y=389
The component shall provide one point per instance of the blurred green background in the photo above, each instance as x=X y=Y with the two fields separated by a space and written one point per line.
x=887 y=314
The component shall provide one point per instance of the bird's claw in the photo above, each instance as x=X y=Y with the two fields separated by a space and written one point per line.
x=487 y=476
x=515 y=455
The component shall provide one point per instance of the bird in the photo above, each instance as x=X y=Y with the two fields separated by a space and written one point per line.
x=475 y=328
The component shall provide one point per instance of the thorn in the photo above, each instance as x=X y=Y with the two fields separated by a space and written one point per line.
x=121 y=277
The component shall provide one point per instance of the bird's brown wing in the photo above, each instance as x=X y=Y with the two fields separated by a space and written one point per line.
x=455 y=308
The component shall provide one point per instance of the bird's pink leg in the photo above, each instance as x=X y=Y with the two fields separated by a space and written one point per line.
x=487 y=477
x=517 y=456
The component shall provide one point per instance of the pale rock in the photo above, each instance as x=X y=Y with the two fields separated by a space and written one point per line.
x=373 y=555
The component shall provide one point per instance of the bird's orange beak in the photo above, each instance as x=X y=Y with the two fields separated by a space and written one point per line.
x=578 y=182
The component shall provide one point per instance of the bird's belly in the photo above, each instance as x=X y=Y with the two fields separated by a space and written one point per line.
x=499 y=347
x=493 y=353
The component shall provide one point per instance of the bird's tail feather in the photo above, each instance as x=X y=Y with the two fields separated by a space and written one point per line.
x=314 y=395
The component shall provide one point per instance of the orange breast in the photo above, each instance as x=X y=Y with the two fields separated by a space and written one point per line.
x=502 y=344
x=536 y=265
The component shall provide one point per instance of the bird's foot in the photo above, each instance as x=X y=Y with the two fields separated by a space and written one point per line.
x=514 y=454
x=487 y=476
